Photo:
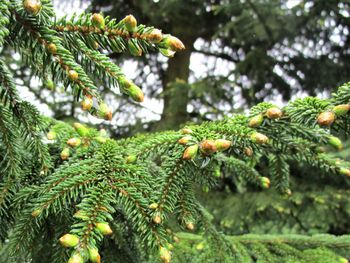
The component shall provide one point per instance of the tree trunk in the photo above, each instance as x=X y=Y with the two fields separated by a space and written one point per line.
x=175 y=89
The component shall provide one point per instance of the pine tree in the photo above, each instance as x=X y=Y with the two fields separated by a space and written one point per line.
x=80 y=196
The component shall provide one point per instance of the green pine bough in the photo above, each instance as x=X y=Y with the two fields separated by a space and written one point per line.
x=79 y=196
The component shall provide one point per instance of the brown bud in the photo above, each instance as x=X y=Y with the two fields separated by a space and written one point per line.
x=208 y=147
x=259 y=138
x=33 y=7
x=248 y=151
x=52 y=48
x=184 y=140
x=74 y=142
x=73 y=75
x=130 y=23
x=173 y=43
x=274 y=113
x=157 y=219
x=190 y=152
x=86 y=103
x=155 y=36
x=326 y=118
x=186 y=131
x=98 y=20
x=190 y=225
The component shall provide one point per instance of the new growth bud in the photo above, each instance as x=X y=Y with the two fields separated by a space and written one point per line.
x=164 y=255
x=344 y=171
x=81 y=129
x=157 y=219
x=130 y=23
x=184 y=140
x=341 y=110
x=264 y=182
x=256 y=121
x=104 y=228
x=335 y=142
x=167 y=52
x=33 y=7
x=259 y=138
x=155 y=36
x=36 y=212
x=190 y=225
x=190 y=152
x=222 y=145
x=104 y=112
x=326 y=118
x=52 y=48
x=248 y=151
x=76 y=258
x=98 y=21
x=94 y=256
x=73 y=75
x=208 y=147
x=65 y=154
x=186 y=131
x=173 y=43
x=135 y=93
x=69 y=240
x=74 y=142
x=153 y=206
x=131 y=158
x=51 y=135
x=86 y=103
x=274 y=113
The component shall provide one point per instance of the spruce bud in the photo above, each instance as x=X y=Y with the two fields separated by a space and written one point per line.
x=190 y=225
x=248 y=151
x=186 y=131
x=135 y=93
x=94 y=256
x=222 y=145
x=173 y=43
x=52 y=48
x=100 y=139
x=153 y=206
x=274 y=113
x=81 y=215
x=130 y=23
x=36 y=212
x=33 y=7
x=264 y=182
x=104 y=228
x=98 y=20
x=326 y=118
x=157 y=219
x=81 y=129
x=335 y=142
x=344 y=171
x=184 y=140
x=104 y=112
x=131 y=158
x=74 y=142
x=155 y=36
x=259 y=138
x=65 y=154
x=134 y=48
x=343 y=260
x=256 y=121
x=73 y=75
x=86 y=103
x=190 y=152
x=69 y=240
x=51 y=135
x=165 y=255
x=208 y=147
x=50 y=85
x=341 y=110
x=76 y=258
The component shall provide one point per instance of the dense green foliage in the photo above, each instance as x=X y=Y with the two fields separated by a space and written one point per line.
x=122 y=199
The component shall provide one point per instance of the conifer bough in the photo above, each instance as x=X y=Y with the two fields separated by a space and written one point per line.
x=92 y=193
